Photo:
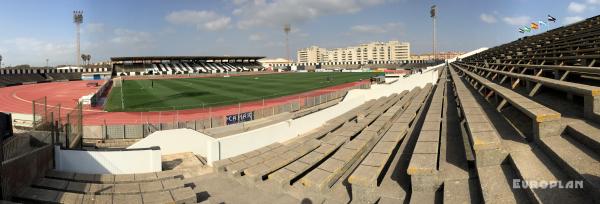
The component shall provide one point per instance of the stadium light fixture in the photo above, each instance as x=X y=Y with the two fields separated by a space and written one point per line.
x=0 y=61
x=287 y=28
x=78 y=20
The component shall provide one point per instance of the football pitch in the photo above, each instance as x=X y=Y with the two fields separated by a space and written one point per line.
x=179 y=94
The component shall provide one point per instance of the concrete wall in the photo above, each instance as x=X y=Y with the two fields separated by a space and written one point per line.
x=108 y=162
x=23 y=170
x=176 y=141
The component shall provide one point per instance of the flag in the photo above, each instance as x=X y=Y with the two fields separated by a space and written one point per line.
x=534 y=26
x=542 y=23
x=521 y=30
x=527 y=29
x=550 y=18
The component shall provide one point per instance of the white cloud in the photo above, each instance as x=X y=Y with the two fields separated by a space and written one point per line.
x=280 y=12
x=517 y=20
x=575 y=7
x=488 y=18
x=255 y=37
x=204 y=20
x=94 y=28
x=25 y=50
x=593 y=1
x=572 y=19
x=377 y=29
x=217 y=24
x=126 y=36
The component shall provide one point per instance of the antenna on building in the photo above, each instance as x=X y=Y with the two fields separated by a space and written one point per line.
x=287 y=28
x=78 y=20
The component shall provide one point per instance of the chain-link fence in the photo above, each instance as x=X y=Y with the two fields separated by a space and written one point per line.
x=74 y=127
x=39 y=112
x=67 y=123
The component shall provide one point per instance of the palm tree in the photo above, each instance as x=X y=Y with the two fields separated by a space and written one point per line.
x=86 y=58
x=83 y=58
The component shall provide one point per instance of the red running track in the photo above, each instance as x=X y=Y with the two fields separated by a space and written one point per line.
x=18 y=99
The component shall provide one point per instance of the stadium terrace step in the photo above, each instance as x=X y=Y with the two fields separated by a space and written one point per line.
x=484 y=138
x=578 y=69
x=533 y=166
x=423 y=166
x=545 y=121
x=262 y=171
x=586 y=134
x=263 y=152
x=118 y=188
x=368 y=176
x=496 y=185
x=581 y=163
x=181 y=195
x=289 y=173
x=591 y=94
x=327 y=173
x=115 y=178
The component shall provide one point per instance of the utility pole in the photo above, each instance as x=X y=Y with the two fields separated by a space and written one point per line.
x=432 y=12
x=78 y=20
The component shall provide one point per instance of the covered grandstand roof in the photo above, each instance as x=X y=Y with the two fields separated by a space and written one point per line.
x=141 y=58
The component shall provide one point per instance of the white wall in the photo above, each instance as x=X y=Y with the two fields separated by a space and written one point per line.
x=108 y=162
x=176 y=141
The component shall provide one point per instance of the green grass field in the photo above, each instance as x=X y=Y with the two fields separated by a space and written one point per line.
x=178 y=94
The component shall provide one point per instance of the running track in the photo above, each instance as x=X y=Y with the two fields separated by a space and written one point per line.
x=18 y=99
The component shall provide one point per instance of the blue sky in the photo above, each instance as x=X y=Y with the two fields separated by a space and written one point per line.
x=35 y=30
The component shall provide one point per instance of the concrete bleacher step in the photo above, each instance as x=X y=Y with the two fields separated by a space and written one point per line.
x=425 y=197
x=115 y=178
x=462 y=191
x=496 y=185
x=534 y=166
x=37 y=195
x=586 y=134
x=581 y=163
x=119 y=188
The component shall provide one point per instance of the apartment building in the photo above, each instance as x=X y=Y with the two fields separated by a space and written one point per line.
x=363 y=53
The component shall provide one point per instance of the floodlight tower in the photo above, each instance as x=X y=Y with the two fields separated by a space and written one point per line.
x=287 y=28
x=78 y=20
x=0 y=61
x=432 y=12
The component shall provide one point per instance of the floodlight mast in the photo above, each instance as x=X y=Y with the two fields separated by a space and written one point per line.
x=287 y=28
x=432 y=12
x=78 y=20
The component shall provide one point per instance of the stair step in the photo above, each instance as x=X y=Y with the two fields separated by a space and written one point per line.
x=496 y=185
x=533 y=166
x=461 y=191
x=580 y=162
x=586 y=134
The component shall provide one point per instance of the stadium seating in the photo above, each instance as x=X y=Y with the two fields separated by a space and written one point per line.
x=17 y=79
x=523 y=113
x=200 y=67
x=64 y=76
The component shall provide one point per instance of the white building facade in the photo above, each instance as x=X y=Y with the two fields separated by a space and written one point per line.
x=391 y=51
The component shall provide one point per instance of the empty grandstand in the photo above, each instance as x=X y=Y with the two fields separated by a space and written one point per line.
x=517 y=123
x=171 y=65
